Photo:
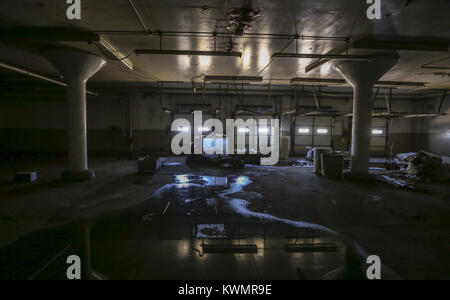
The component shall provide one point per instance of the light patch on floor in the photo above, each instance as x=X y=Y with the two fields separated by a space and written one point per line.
x=211 y=231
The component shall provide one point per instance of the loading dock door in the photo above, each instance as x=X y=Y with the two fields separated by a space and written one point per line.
x=378 y=136
x=312 y=131
x=254 y=130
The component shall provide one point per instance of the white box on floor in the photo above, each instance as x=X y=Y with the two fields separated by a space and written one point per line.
x=25 y=177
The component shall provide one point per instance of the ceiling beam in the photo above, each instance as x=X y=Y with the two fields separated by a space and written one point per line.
x=35 y=33
x=408 y=43
x=385 y=42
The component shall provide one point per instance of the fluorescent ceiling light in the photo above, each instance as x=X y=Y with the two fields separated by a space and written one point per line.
x=337 y=82
x=243 y=130
x=324 y=56
x=204 y=129
x=322 y=131
x=318 y=81
x=233 y=78
x=188 y=52
x=263 y=130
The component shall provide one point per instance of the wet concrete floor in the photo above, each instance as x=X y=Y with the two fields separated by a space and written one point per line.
x=256 y=223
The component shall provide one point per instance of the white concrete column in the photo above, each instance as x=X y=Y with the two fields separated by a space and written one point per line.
x=76 y=67
x=76 y=113
x=363 y=75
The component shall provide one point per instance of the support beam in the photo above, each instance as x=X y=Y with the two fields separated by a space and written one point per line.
x=76 y=67
x=363 y=76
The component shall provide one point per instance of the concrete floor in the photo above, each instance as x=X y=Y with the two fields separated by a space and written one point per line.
x=143 y=224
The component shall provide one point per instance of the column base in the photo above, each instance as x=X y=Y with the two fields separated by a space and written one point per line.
x=363 y=177
x=71 y=176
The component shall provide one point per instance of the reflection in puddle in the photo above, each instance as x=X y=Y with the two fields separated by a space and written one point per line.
x=240 y=206
x=185 y=181
x=231 y=193
x=171 y=164
x=232 y=196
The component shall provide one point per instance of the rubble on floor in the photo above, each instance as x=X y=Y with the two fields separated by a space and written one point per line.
x=409 y=169
x=303 y=163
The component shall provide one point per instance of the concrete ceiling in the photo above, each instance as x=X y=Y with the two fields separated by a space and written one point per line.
x=330 y=20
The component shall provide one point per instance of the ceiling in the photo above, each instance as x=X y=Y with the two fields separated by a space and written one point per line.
x=330 y=22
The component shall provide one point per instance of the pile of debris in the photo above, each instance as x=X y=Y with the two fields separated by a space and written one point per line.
x=416 y=167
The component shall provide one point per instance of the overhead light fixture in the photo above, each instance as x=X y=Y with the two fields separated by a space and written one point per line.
x=243 y=130
x=318 y=81
x=399 y=84
x=325 y=81
x=188 y=52
x=323 y=56
x=240 y=79
x=108 y=45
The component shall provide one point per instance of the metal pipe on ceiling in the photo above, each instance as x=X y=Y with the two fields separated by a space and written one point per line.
x=35 y=75
x=141 y=20
x=225 y=34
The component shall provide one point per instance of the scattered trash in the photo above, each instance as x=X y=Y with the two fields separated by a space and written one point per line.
x=397 y=182
x=303 y=163
x=426 y=165
x=148 y=217
x=375 y=198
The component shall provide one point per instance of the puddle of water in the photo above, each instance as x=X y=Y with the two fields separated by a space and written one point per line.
x=240 y=206
x=232 y=196
x=184 y=181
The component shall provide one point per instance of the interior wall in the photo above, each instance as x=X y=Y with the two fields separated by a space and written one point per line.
x=434 y=134
x=38 y=126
